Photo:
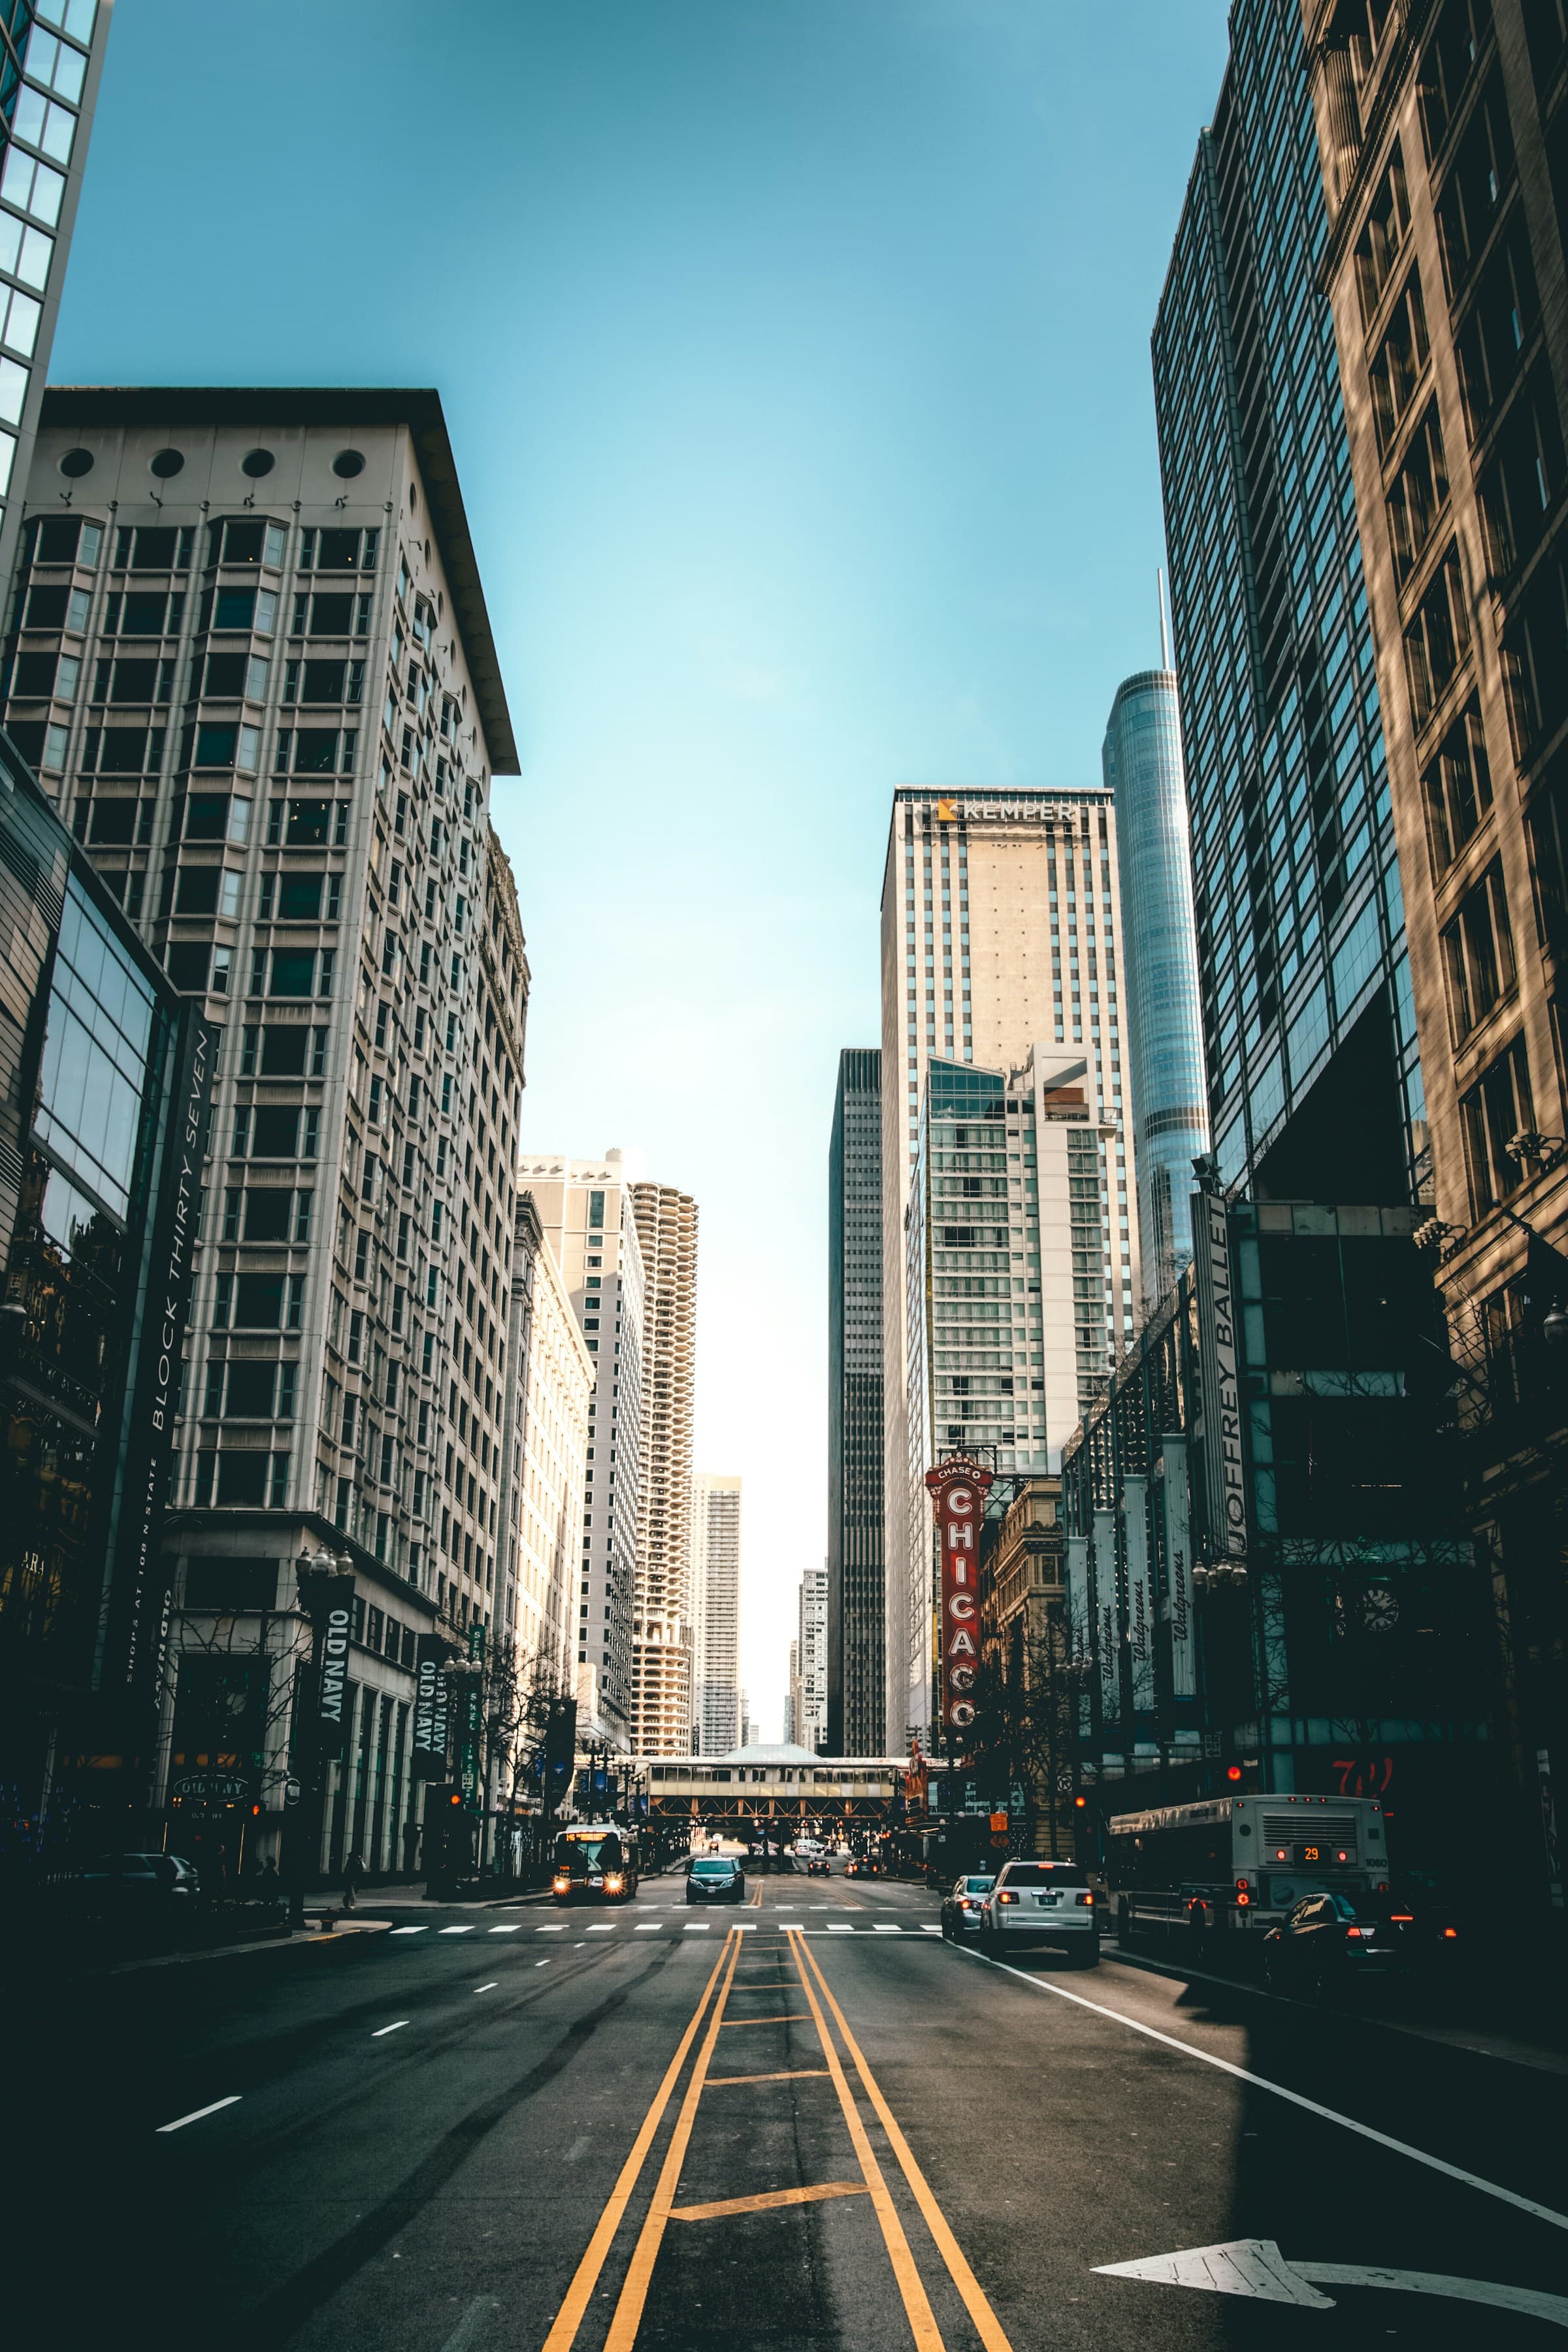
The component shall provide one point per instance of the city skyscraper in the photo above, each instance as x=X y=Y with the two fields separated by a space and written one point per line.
x=255 y=654
x=1000 y=934
x=586 y=1209
x=1314 y=1082
x=715 y=1585
x=104 y=1077
x=54 y=49
x=1441 y=135
x=808 y=1672
x=856 y=1668
x=1142 y=764
x=545 y=1453
x=661 y=1608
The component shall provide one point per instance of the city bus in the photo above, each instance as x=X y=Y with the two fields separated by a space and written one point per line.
x=1232 y=1866
x=596 y=1860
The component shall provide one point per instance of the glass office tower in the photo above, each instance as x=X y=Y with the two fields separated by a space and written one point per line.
x=1314 y=1085
x=103 y=1091
x=51 y=55
x=1143 y=763
x=855 y=1561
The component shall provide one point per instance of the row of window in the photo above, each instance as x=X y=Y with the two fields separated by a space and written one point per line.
x=234 y=540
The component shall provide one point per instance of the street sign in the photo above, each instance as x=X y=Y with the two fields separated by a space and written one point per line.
x=1256 y=2267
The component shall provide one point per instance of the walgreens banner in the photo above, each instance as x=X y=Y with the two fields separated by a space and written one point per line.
x=957 y=1488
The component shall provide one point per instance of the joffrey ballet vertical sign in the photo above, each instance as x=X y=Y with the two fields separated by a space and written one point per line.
x=958 y=1488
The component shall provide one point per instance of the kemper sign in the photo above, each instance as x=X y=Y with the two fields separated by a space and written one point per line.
x=957 y=1490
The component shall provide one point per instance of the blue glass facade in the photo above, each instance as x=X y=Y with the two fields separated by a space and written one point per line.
x=1304 y=978
x=1143 y=763
x=105 y=1085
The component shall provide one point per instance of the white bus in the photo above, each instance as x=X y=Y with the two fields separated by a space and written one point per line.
x=1234 y=1866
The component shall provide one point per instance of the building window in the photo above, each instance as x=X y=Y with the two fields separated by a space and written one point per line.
x=1496 y=1109
x=1478 y=952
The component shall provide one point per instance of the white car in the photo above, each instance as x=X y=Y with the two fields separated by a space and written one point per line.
x=1043 y=1902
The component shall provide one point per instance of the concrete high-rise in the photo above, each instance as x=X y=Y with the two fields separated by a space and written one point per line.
x=715 y=1586
x=271 y=710
x=661 y=1608
x=1142 y=764
x=586 y=1209
x=1314 y=1083
x=1001 y=948
x=808 y=1680
x=856 y=1677
x=544 y=1449
x=1443 y=133
x=53 y=51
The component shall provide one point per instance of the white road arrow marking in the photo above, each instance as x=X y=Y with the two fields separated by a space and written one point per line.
x=1252 y=2266
x=1256 y=2266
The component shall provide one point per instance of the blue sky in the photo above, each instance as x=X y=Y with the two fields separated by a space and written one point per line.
x=795 y=354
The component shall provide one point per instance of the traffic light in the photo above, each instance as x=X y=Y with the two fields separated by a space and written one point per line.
x=1232 y=1771
x=1079 y=1805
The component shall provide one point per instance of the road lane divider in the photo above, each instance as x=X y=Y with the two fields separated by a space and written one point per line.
x=1278 y=2091
x=383 y=2031
x=790 y=2074
x=198 y=2114
x=644 y=2254
x=988 y=2327
x=917 y=2303
x=569 y=2319
x=767 y=2200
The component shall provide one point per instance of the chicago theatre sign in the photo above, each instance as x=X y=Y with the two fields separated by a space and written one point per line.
x=958 y=1488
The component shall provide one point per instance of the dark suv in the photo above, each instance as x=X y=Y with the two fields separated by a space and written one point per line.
x=714 y=1878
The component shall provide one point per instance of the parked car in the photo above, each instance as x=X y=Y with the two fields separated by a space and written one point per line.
x=1043 y=1902
x=963 y=1910
x=1334 y=1942
x=136 y=1887
x=715 y=1878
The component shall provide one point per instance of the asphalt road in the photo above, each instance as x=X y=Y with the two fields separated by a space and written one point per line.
x=810 y=2123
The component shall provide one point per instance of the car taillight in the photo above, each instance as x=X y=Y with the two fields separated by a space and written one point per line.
x=1402 y=1918
x=1358 y=1931
x=1451 y=1935
x=966 y=1903
x=1005 y=1897
x=1087 y=1901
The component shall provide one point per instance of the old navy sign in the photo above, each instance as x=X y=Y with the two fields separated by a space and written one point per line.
x=431 y=1709
x=957 y=1490
x=332 y=1607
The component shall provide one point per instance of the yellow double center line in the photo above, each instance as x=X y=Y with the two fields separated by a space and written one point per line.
x=569 y=2319
x=632 y=2298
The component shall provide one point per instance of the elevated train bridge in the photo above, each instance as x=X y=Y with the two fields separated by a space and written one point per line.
x=784 y=1792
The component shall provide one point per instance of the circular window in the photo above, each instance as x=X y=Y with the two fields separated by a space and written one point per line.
x=76 y=463
x=257 y=463
x=348 y=463
x=167 y=463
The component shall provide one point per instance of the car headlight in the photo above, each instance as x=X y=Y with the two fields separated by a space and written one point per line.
x=613 y=1882
x=563 y=1886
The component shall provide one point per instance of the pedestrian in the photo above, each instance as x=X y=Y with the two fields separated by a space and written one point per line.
x=353 y=1873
